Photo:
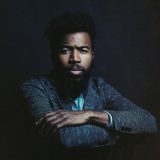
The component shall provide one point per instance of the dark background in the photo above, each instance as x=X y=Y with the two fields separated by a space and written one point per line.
x=126 y=56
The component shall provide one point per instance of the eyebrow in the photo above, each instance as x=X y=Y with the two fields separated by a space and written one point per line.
x=69 y=46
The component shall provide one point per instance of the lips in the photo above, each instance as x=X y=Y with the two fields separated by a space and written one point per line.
x=75 y=70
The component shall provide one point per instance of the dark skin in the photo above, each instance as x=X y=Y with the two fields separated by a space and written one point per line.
x=76 y=49
x=52 y=121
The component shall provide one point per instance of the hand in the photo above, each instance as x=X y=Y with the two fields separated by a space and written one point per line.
x=52 y=121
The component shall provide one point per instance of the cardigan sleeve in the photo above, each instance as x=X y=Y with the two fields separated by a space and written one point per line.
x=36 y=98
x=127 y=116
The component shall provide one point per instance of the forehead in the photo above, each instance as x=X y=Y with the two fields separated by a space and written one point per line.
x=78 y=39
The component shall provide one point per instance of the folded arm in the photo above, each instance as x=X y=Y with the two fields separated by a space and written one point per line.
x=75 y=128
x=127 y=116
x=52 y=121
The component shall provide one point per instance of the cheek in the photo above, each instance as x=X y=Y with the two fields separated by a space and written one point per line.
x=63 y=59
x=87 y=61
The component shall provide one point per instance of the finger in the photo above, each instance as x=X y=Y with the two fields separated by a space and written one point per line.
x=56 y=121
x=52 y=113
x=49 y=123
x=39 y=121
x=46 y=115
x=46 y=119
x=46 y=129
x=54 y=117
x=63 y=123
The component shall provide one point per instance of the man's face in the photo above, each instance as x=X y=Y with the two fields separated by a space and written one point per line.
x=75 y=55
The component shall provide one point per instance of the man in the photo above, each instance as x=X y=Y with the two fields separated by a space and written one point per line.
x=69 y=107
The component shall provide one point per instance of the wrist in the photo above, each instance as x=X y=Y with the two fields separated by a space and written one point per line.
x=97 y=117
x=88 y=115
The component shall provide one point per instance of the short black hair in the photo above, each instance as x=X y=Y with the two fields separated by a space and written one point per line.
x=70 y=22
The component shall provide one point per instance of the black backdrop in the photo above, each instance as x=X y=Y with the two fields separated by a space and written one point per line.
x=126 y=56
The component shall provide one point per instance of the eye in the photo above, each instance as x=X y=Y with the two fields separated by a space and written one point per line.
x=84 y=50
x=66 y=51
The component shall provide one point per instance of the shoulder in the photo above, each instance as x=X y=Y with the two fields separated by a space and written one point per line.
x=99 y=82
x=103 y=87
x=37 y=86
x=40 y=82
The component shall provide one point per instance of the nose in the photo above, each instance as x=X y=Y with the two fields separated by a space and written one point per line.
x=75 y=57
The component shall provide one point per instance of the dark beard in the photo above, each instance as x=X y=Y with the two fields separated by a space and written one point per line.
x=68 y=85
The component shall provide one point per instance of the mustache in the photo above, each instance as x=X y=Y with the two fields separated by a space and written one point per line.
x=75 y=67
